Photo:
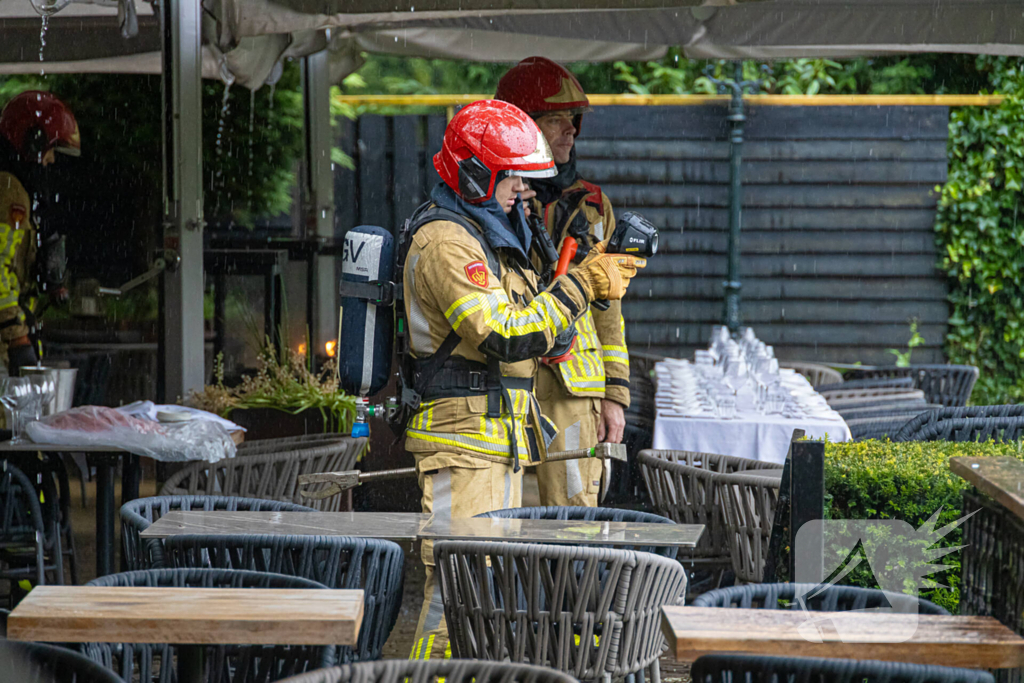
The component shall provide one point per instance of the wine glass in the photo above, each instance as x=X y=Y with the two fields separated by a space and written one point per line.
x=19 y=398
x=45 y=387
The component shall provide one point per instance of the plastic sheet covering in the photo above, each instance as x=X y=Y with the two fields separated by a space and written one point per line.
x=98 y=426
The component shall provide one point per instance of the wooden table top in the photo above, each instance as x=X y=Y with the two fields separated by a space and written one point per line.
x=1001 y=478
x=566 y=532
x=188 y=616
x=390 y=525
x=412 y=526
x=972 y=642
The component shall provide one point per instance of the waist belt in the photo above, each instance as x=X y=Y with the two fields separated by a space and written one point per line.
x=459 y=377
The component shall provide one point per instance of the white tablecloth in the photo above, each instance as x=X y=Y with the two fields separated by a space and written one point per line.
x=752 y=436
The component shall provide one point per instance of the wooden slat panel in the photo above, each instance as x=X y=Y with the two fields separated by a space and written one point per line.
x=824 y=288
x=794 y=312
x=406 y=174
x=374 y=174
x=435 y=138
x=788 y=242
x=346 y=204
x=793 y=218
x=887 y=335
x=612 y=171
x=777 y=196
x=796 y=265
x=763 y=150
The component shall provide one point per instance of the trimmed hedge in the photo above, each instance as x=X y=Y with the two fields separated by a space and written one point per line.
x=905 y=481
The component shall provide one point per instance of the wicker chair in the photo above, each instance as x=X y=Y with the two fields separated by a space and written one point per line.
x=139 y=514
x=816 y=373
x=372 y=565
x=848 y=393
x=964 y=429
x=268 y=475
x=589 y=612
x=434 y=671
x=152 y=662
x=30 y=533
x=873 y=397
x=585 y=514
x=727 y=668
x=877 y=383
x=38 y=663
x=949 y=385
x=749 y=502
x=929 y=420
x=681 y=485
x=880 y=427
x=831 y=599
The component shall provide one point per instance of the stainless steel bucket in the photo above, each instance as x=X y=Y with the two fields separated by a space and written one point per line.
x=64 y=381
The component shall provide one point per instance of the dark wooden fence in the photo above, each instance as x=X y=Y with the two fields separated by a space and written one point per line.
x=839 y=205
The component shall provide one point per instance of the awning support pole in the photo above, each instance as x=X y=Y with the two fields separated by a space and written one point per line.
x=181 y=312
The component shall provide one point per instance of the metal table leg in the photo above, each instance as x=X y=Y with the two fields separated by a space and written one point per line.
x=104 y=515
x=190 y=663
x=131 y=472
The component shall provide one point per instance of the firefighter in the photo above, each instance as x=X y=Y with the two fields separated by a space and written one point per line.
x=477 y=324
x=585 y=394
x=34 y=127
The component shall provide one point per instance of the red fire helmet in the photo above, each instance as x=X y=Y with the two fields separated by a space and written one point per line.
x=488 y=139
x=37 y=121
x=538 y=85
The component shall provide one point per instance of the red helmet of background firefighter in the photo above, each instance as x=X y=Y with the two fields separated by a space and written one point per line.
x=34 y=127
x=586 y=394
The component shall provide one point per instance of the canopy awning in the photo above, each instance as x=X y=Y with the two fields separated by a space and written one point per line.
x=245 y=39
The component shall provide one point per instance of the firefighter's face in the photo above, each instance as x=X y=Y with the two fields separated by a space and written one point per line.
x=505 y=192
x=48 y=157
x=560 y=133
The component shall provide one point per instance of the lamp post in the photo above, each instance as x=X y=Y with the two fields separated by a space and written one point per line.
x=736 y=86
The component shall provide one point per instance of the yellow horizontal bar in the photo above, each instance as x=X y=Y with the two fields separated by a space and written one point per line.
x=689 y=100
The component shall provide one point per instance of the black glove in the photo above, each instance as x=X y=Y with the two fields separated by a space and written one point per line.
x=20 y=357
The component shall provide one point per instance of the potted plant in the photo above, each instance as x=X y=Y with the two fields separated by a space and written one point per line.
x=285 y=397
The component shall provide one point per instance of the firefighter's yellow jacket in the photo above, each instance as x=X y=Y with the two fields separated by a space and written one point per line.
x=448 y=284
x=599 y=366
x=17 y=254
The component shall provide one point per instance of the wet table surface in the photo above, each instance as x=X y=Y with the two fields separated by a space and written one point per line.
x=1000 y=478
x=971 y=642
x=412 y=526
x=566 y=532
x=109 y=614
x=389 y=525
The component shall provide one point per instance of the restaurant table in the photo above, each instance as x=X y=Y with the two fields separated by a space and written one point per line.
x=105 y=459
x=413 y=526
x=188 y=618
x=962 y=641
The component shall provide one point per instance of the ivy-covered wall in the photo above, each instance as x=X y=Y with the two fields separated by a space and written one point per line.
x=980 y=228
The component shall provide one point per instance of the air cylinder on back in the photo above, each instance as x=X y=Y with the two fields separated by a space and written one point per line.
x=365 y=347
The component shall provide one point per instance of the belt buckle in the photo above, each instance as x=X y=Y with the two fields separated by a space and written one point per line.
x=475 y=380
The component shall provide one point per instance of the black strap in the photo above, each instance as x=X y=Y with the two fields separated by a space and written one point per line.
x=379 y=293
x=425 y=372
x=429 y=214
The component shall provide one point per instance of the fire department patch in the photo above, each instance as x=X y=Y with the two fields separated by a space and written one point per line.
x=477 y=273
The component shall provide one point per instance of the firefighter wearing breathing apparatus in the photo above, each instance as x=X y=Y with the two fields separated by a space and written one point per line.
x=478 y=321
x=34 y=127
x=586 y=392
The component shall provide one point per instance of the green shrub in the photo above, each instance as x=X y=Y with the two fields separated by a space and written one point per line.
x=909 y=482
x=980 y=229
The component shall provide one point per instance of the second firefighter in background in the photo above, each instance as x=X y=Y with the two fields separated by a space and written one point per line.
x=585 y=395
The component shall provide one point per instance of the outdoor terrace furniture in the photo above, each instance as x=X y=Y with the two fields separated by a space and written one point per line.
x=375 y=566
x=434 y=671
x=593 y=613
x=749 y=500
x=830 y=599
x=587 y=514
x=928 y=427
x=681 y=485
x=944 y=640
x=268 y=475
x=848 y=393
x=147 y=662
x=49 y=472
x=289 y=443
x=139 y=514
x=875 y=383
x=864 y=398
x=38 y=663
x=815 y=373
x=727 y=668
x=949 y=385
x=30 y=534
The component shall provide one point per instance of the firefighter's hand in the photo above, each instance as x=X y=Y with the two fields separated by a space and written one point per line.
x=613 y=422
x=20 y=354
x=60 y=295
x=607 y=275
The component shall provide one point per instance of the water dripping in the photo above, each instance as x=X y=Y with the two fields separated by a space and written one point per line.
x=252 y=128
x=42 y=40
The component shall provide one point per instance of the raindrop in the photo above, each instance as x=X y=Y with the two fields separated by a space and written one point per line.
x=42 y=39
x=252 y=127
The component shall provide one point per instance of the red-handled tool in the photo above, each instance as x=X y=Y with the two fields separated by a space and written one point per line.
x=569 y=247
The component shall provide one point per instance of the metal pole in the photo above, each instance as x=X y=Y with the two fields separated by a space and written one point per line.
x=319 y=197
x=732 y=284
x=182 y=329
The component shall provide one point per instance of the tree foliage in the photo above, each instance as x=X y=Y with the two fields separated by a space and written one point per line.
x=980 y=228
